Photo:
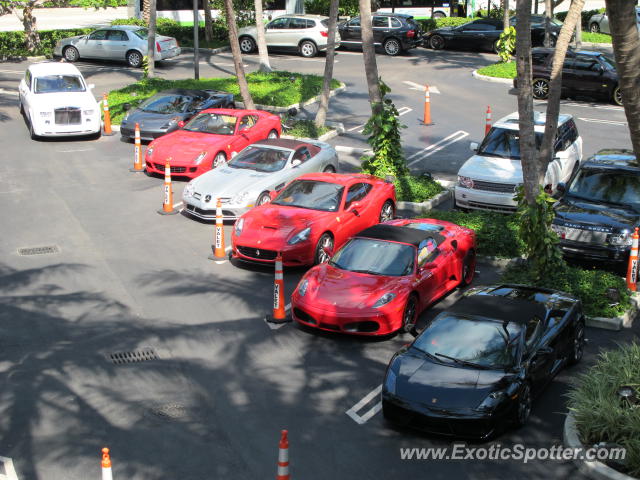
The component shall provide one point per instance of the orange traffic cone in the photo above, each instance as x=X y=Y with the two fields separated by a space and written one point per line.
x=219 y=251
x=427 y=107
x=283 y=457
x=487 y=122
x=632 y=272
x=137 y=152
x=279 y=313
x=107 y=116
x=106 y=465
x=167 y=205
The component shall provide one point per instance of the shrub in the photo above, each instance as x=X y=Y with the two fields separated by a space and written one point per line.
x=347 y=8
x=601 y=416
x=183 y=34
x=12 y=43
x=428 y=24
x=410 y=188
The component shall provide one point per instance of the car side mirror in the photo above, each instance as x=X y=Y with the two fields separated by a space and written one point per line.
x=296 y=163
x=561 y=188
x=91 y=86
x=353 y=208
x=126 y=106
x=473 y=146
x=181 y=124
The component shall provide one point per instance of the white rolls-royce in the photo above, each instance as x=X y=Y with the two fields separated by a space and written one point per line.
x=56 y=101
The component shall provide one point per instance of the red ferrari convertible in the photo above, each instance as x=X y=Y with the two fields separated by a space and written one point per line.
x=210 y=139
x=382 y=279
x=312 y=216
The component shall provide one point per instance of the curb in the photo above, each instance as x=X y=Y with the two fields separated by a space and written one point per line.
x=617 y=323
x=20 y=57
x=418 y=208
x=338 y=129
x=312 y=100
x=353 y=150
x=212 y=51
x=486 y=78
x=591 y=468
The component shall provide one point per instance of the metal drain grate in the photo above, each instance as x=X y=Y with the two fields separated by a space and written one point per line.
x=119 y=358
x=38 y=250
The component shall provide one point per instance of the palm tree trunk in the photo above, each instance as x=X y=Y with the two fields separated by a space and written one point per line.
x=31 y=37
x=505 y=14
x=237 y=55
x=208 y=21
x=146 y=6
x=321 y=115
x=528 y=154
x=547 y=23
x=263 y=54
x=555 y=85
x=369 y=55
x=626 y=49
x=151 y=40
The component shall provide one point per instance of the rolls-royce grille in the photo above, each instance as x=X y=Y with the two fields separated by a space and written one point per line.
x=494 y=187
x=257 y=253
x=68 y=116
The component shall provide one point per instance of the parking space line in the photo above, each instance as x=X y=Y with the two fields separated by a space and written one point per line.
x=436 y=147
x=417 y=86
x=10 y=472
x=606 y=122
x=8 y=92
x=401 y=111
x=583 y=105
x=366 y=416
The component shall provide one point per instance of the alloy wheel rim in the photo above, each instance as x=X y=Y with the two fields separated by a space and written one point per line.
x=245 y=46
x=392 y=47
x=387 y=213
x=218 y=160
x=436 y=43
x=307 y=49
x=273 y=135
x=70 y=54
x=326 y=244
x=578 y=344
x=263 y=199
x=618 y=96
x=134 y=59
x=409 y=316
x=540 y=88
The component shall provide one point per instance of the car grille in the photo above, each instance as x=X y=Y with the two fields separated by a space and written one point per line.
x=160 y=166
x=580 y=235
x=490 y=206
x=494 y=187
x=304 y=316
x=257 y=253
x=68 y=116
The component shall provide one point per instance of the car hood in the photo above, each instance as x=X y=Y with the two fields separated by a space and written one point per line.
x=492 y=169
x=332 y=287
x=441 y=30
x=280 y=222
x=150 y=120
x=51 y=101
x=186 y=146
x=71 y=40
x=576 y=211
x=443 y=386
x=226 y=181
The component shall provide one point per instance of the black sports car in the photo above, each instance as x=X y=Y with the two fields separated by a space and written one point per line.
x=600 y=207
x=160 y=114
x=475 y=368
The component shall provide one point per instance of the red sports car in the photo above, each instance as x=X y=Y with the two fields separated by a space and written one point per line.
x=312 y=216
x=210 y=139
x=385 y=276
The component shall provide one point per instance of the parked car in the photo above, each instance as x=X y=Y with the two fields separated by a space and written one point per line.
x=311 y=217
x=483 y=34
x=394 y=32
x=56 y=101
x=119 y=42
x=246 y=180
x=476 y=368
x=599 y=23
x=600 y=207
x=306 y=34
x=584 y=73
x=161 y=113
x=381 y=279
x=489 y=179
x=209 y=140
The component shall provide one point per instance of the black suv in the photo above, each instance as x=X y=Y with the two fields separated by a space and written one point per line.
x=584 y=73
x=600 y=207
x=394 y=32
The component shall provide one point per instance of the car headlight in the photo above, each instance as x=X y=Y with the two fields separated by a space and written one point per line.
x=492 y=400
x=89 y=112
x=149 y=151
x=240 y=198
x=45 y=114
x=238 y=226
x=302 y=288
x=384 y=299
x=465 y=182
x=125 y=119
x=174 y=121
x=390 y=382
x=622 y=239
x=301 y=236
x=200 y=158
x=188 y=190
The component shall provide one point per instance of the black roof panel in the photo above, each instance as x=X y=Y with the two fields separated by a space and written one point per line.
x=394 y=233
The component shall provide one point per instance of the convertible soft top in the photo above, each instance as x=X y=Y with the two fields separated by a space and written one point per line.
x=394 y=233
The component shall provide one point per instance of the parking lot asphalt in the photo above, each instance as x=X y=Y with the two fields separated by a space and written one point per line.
x=217 y=384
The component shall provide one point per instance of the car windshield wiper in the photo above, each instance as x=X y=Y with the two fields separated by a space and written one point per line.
x=491 y=154
x=462 y=362
x=362 y=270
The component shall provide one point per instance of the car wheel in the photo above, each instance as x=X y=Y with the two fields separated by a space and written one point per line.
x=410 y=314
x=524 y=406
x=577 y=350
x=540 y=88
x=308 y=49
x=247 y=44
x=329 y=169
x=438 y=15
x=263 y=198
x=594 y=28
x=32 y=132
x=231 y=106
x=219 y=159
x=617 y=96
x=495 y=47
x=468 y=268
x=273 y=134
x=552 y=41
x=71 y=54
x=392 y=47
x=134 y=59
x=324 y=249
x=436 y=42
x=386 y=212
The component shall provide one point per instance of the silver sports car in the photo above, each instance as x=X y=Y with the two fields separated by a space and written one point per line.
x=246 y=180
x=118 y=42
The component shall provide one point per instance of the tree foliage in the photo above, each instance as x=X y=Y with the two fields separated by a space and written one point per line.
x=507 y=44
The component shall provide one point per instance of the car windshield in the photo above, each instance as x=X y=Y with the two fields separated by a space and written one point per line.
x=375 y=257
x=261 y=159
x=59 y=83
x=504 y=143
x=470 y=339
x=606 y=186
x=311 y=194
x=609 y=62
x=166 y=104
x=212 y=123
x=143 y=33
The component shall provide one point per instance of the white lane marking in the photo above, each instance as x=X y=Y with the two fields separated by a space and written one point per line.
x=276 y=326
x=15 y=72
x=221 y=64
x=436 y=147
x=417 y=86
x=8 y=92
x=354 y=128
x=401 y=111
x=8 y=468
x=76 y=150
x=176 y=205
x=366 y=416
x=583 y=105
x=606 y=122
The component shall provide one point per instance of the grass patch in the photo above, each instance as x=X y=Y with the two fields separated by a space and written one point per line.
x=306 y=129
x=596 y=37
x=601 y=416
x=279 y=89
x=499 y=70
x=416 y=189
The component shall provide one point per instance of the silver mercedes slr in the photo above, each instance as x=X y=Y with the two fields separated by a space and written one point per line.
x=248 y=178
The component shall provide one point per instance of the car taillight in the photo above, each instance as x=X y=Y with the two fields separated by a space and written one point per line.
x=324 y=33
x=158 y=45
x=411 y=33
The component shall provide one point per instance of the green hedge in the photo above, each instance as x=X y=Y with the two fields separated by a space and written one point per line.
x=428 y=24
x=184 y=34
x=416 y=189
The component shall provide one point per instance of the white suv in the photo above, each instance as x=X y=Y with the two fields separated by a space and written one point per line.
x=488 y=180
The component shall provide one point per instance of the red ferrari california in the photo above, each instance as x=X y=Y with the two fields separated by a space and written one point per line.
x=209 y=139
x=312 y=216
x=381 y=280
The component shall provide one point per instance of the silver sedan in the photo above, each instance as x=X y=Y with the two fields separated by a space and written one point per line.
x=599 y=23
x=118 y=42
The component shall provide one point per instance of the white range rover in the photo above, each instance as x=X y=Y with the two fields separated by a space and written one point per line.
x=488 y=180
x=57 y=101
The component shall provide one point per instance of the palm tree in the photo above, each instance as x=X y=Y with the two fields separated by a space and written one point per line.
x=626 y=48
x=505 y=14
x=151 y=39
x=369 y=56
x=548 y=13
x=321 y=115
x=237 y=55
x=208 y=21
x=263 y=54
